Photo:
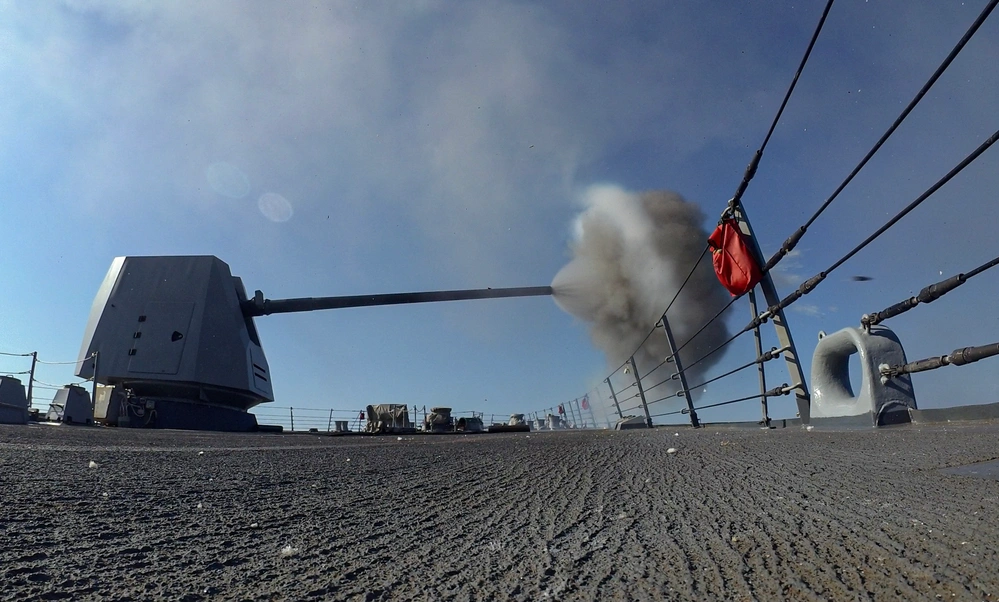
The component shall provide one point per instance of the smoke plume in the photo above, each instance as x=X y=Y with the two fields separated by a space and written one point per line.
x=631 y=252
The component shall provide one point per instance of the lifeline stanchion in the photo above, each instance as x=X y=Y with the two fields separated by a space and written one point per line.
x=589 y=409
x=617 y=406
x=31 y=375
x=93 y=387
x=766 y=284
x=679 y=371
x=759 y=354
x=604 y=409
x=638 y=381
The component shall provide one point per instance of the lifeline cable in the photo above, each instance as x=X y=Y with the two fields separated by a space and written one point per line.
x=774 y=353
x=792 y=240
x=706 y=324
x=747 y=177
x=661 y=383
x=775 y=392
x=755 y=162
x=751 y=169
x=665 y=311
x=68 y=363
x=958 y=357
x=929 y=294
x=810 y=284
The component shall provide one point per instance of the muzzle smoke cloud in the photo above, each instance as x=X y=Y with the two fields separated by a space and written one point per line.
x=631 y=252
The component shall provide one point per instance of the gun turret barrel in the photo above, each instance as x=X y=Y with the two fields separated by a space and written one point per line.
x=258 y=306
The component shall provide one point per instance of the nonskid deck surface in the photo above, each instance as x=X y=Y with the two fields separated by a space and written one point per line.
x=737 y=514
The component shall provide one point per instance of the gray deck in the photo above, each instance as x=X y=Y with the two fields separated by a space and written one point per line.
x=733 y=514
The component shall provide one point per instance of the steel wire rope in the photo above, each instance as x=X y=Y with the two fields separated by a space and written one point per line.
x=771 y=393
x=746 y=178
x=706 y=324
x=661 y=383
x=793 y=240
x=751 y=171
x=623 y=389
x=926 y=295
x=677 y=394
x=985 y=266
x=676 y=296
x=15 y=354
x=620 y=401
x=47 y=387
x=774 y=353
x=42 y=382
x=68 y=363
x=656 y=326
x=664 y=414
x=810 y=284
x=755 y=162
x=658 y=366
x=16 y=373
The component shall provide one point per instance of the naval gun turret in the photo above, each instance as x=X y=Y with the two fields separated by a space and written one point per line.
x=175 y=338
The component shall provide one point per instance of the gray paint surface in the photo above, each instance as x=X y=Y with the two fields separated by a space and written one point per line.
x=13 y=401
x=173 y=327
x=784 y=514
x=832 y=393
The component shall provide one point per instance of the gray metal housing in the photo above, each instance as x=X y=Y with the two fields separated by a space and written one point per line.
x=172 y=327
x=71 y=405
x=13 y=401
x=832 y=394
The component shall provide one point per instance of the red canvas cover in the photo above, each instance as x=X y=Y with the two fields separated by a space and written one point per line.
x=733 y=261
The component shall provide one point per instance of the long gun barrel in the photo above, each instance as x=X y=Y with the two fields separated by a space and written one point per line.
x=258 y=306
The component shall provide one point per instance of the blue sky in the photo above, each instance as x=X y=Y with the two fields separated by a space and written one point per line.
x=390 y=147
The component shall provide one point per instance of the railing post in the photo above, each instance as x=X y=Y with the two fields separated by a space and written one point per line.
x=589 y=409
x=641 y=392
x=93 y=386
x=291 y=414
x=794 y=369
x=617 y=406
x=675 y=358
x=31 y=375
x=759 y=354
x=329 y=427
